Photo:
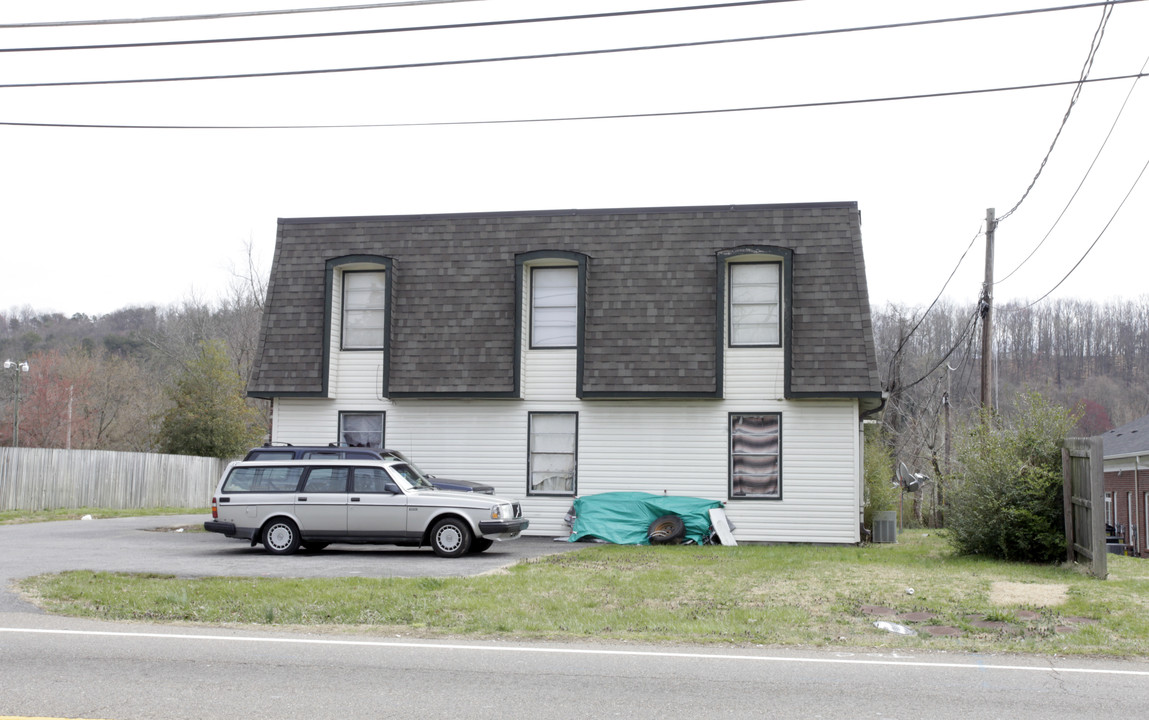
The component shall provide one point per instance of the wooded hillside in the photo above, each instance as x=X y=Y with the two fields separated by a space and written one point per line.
x=1089 y=357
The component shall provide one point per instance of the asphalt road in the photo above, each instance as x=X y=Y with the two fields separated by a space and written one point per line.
x=62 y=667
x=149 y=544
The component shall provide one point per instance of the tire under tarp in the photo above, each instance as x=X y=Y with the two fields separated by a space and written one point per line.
x=624 y=517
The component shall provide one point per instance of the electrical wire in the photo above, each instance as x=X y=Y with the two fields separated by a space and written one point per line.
x=961 y=338
x=906 y=338
x=1089 y=170
x=1098 y=239
x=225 y=16
x=569 y=118
x=1094 y=46
x=415 y=28
x=565 y=18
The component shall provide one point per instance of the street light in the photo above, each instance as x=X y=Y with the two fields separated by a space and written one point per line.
x=16 y=367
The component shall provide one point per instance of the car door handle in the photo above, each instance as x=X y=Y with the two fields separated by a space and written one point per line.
x=302 y=499
x=354 y=499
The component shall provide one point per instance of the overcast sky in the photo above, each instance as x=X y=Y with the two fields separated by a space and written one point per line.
x=97 y=219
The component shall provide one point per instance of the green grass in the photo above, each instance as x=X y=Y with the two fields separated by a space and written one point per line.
x=15 y=517
x=791 y=595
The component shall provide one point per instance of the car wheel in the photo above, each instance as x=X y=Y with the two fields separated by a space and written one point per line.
x=666 y=530
x=280 y=537
x=315 y=546
x=450 y=537
x=481 y=545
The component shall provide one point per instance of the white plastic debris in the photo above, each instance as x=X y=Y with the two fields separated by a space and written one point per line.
x=894 y=628
x=909 y=591
x=86 y=517
x=179 y=529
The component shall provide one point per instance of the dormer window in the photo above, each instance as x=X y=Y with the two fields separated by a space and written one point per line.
x=755 y=304
x=554 y=307
x=364 y=310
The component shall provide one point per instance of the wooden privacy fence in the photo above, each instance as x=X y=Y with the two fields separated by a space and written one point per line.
x=1083 y=469
x=45 y=479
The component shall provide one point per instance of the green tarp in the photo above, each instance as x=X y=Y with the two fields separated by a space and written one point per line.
x=623 y=517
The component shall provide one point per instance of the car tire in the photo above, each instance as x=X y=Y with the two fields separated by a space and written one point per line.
x=479 y=545
x=280 y=537
x=314 y=546
x=451 y=538
x=666 y=530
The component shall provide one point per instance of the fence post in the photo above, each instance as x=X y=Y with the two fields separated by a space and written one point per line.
x=1067 y=486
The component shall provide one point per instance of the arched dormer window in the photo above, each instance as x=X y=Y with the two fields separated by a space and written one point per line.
x=358 y=290
x=756 y=280
x=554 y=283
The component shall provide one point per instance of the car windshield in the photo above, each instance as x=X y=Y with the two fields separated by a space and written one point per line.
x=412 y=478
x=400 y=456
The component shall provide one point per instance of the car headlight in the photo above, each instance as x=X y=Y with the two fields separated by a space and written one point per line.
x=502 y=512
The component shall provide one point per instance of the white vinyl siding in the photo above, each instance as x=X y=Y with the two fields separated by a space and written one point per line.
x=554 y=307
x=364 y=310
x=752 y=373
x=755 y=303
x=672 y=447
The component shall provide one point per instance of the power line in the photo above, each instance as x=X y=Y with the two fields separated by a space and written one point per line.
x=965 y=333
x=539 y=55
x=572 y=118
x=415 y=28
x=224 y=16
x=1098 y=239
x=906 y=338
x=1081 y=184
x=1094 y=46
x=565 y=18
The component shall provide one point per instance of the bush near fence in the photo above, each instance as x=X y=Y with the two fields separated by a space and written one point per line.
x=48 y=479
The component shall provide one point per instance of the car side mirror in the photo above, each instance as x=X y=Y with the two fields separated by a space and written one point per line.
x=391 y=488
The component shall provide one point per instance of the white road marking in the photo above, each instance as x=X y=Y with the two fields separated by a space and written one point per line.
x=848 y=659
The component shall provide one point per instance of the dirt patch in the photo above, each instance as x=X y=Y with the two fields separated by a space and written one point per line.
x=1032 y=594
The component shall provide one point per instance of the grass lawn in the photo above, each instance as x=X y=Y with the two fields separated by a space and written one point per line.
x=792 y=595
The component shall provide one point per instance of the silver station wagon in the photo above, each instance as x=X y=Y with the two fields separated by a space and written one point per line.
x=312 y=503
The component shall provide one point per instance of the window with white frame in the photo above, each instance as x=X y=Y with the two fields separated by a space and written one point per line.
x=553 y=450
x=364 y=310
x=755 y=310
x=361 y=429
x=554 y=307
x=756 y=456
x=1109 y=510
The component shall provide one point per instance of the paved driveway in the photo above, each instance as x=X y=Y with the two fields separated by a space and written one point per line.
x=150 y=544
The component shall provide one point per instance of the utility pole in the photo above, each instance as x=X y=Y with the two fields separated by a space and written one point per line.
x=946 y=405
x=986 y=309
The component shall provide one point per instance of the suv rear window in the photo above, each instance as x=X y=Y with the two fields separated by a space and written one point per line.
x=262 y=479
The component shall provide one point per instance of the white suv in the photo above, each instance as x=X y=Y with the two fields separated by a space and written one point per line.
x=313 y=503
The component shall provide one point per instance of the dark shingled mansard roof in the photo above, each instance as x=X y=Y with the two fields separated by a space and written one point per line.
x=652 y=328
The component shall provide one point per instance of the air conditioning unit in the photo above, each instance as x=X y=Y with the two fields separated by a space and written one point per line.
x=886 y=526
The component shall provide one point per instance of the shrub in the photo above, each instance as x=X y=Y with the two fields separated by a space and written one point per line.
x=208 y=416
x=1007 y=502
x=881 y=492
